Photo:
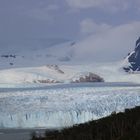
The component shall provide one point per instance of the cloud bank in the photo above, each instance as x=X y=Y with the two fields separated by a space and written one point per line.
x=97 y=3
x=89 y=26
x=110 y=45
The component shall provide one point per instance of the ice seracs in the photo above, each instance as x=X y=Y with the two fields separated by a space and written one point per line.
x=65 y=105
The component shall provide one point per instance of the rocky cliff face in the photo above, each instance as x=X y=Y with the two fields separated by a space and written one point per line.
x=133 y=59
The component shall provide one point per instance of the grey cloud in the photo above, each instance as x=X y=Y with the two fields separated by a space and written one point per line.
x=21 y=19
x=108 y=5
x=89 y=26
x=110 y=45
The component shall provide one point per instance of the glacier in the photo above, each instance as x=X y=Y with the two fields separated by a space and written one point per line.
x=64 y=105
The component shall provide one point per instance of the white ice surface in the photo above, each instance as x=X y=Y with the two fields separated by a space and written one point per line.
x=63 y=106
x=110 y=72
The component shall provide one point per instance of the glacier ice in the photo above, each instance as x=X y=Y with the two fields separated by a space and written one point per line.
x=63 y=107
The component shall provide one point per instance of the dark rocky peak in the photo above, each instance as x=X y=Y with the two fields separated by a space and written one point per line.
x=137 y=44
x=133 y=59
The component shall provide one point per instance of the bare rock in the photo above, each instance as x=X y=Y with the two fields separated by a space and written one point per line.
x=86 y=77
x=56 y=68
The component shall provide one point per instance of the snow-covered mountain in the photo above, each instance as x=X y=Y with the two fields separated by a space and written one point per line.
x=105 y=47
x=35 y=53
x=133 y=59
x=36 y=63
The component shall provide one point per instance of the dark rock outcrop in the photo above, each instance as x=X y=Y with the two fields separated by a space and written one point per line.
x=86 y=77
x=55 y=68
x=133 y=59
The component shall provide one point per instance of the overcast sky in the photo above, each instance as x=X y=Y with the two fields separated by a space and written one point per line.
x=68 y=19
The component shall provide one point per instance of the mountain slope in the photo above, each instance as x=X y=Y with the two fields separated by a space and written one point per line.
x=110 y=72
x=36 y=53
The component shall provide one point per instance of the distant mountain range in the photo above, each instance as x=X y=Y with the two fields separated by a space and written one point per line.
x=39 y=52
x=89 y=50
x=34 y=64
x=31 y=53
